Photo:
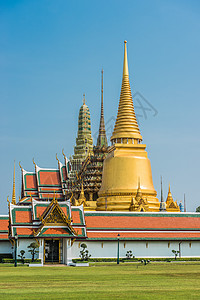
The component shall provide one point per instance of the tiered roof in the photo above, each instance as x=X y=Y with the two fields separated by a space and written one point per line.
x=44 y=183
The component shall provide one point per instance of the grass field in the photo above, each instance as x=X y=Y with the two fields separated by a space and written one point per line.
x=102 y=281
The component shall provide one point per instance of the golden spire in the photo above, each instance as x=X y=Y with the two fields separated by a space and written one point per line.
x=84 y=98
x=126 y=125
x=169 y=196
x=102 y=139
x=13 y=193
x=82 y=198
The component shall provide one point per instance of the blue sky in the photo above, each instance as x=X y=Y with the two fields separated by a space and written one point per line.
x=52 y=52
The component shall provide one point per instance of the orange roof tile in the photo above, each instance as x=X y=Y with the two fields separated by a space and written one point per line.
x=166 y=235
x=49 y=178
x=22 y=216
x=4 y=224
x=76 y=217
x=78 y=231
x=24 y=231
x=31 y=182
x=3 y=236
x=40 y=210
x=64 y=209
x=141 y=222
x=60 y=231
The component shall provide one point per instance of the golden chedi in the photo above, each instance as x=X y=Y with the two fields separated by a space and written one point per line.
x=127 y=160
x=171 y=205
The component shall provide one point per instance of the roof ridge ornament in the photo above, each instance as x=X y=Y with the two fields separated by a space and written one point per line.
x=57 y=160
x=20 y=166
x=63 y=153
x=34 y=163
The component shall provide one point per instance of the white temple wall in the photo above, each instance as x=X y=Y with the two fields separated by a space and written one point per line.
x=5 y=247
x=108 y=249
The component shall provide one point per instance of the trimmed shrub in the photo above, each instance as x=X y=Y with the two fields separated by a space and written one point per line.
x=164 y=259
x=5 y=255
x=26 y=261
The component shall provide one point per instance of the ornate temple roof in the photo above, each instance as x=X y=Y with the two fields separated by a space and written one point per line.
x=45 y=219
x=44 y=183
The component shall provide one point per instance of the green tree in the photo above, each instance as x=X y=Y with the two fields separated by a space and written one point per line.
x=84 y=254
x=129 y=254
x=198 y=209
x=33 y=249
x=175 y=253
x=21 y=255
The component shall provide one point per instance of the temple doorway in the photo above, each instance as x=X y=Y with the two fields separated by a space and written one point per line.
x=52 y=251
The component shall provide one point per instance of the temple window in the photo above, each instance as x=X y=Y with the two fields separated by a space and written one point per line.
x=190 y=244
x=101 y=245
x=124 y=245
x=147 y=245
x=168 y=245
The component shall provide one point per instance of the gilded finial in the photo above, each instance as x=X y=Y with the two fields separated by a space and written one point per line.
x=8 y=200
x=13 y=193
x=84 y=98
x=30 y=195
x=34 y=163
x=20 y=166
x=169 y=188
x=125 y=69
x=57 y=159
x=54 y=197
x=63 y=153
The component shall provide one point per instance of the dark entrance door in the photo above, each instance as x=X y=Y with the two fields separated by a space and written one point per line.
x=52 y=251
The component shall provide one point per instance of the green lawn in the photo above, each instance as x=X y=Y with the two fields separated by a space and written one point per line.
x=102 y=281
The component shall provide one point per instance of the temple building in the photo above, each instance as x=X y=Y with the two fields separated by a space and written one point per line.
x=90 y=175
x=100 y=195
x=84 y=141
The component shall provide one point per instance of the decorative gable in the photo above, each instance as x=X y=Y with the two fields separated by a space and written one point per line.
x=56 y=216
x=53 y=216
